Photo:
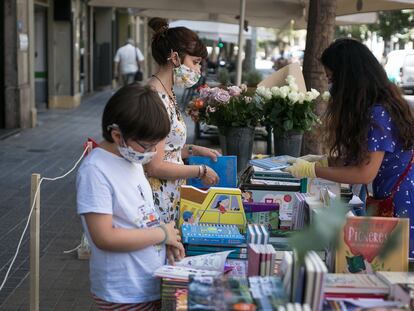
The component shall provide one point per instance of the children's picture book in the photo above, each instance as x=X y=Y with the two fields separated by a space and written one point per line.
x=202 y=265
x=225 y=167
x=353 y=284
x=216 y=205
x=362 y=240
x=211 y=234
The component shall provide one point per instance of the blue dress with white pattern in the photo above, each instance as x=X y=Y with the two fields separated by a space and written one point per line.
x=383 y=136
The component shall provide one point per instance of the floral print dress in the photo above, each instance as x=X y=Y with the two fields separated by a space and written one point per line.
x=167 y=192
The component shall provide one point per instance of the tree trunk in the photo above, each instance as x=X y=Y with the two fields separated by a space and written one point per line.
x=320 y=33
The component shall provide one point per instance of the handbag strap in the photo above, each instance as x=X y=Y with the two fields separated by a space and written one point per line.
x=136 y=58
x=401 y=178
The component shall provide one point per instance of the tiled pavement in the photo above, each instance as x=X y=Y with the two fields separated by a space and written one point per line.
x=50 y=149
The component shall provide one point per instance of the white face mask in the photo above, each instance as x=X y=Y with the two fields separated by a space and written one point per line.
x=130 y=154
x=134 y=156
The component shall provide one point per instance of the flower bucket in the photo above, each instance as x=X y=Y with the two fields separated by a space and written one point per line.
x=237 y=141
x=289 y=143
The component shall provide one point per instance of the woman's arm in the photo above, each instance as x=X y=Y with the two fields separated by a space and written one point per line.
x=108 y=238
x=199 y=151
x=361 y=174
x=166 y=170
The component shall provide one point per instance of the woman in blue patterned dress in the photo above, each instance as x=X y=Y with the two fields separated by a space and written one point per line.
x=178 y=51
x=369 y=127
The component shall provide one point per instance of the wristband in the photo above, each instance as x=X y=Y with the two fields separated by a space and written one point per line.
x=162 y=227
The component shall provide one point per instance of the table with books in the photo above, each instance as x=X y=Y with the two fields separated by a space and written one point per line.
x=239 y=256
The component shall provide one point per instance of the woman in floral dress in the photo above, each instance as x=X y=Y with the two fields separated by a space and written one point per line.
x=178 y=52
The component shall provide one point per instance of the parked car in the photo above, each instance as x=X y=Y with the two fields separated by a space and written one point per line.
x=407 y=74
x=393 y=64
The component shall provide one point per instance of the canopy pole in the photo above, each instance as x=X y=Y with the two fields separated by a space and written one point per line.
x=241 y=33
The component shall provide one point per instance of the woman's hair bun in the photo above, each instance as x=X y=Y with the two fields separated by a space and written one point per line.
x=158 y=24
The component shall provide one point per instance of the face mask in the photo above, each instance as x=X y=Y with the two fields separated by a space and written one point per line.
x=134 y=156
x=185 y=76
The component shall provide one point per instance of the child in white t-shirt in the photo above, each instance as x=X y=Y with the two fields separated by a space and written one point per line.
x=116 y=206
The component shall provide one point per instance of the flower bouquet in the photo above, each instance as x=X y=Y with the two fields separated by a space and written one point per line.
x=236 y=111
x=230 y=107
x=289 y=111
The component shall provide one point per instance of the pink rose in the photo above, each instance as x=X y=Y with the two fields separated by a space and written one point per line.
x=222 y=96
x=234 y=90
x=205 y=92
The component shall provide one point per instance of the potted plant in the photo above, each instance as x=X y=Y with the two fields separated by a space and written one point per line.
x=236 y=111
x=290 y=112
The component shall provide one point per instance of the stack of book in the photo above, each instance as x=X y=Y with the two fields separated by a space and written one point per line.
x=341 y=285
x=262 y=258
x=169 y=289
x=207 y=239
x=257 y=234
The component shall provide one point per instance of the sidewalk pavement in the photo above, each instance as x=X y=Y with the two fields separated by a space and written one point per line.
x=50 y=149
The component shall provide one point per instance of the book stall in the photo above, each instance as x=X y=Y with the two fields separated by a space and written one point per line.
x=237 y=239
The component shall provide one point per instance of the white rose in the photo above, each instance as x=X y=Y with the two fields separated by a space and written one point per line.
x=315 y=93
x=275 y=91
x=326 y=96
x=284 y=91
x=261 y=91
x=290 y=79
x=301 y=98
x=294 y=97
x=309 y=96
x=294 y=87
x=268 y=94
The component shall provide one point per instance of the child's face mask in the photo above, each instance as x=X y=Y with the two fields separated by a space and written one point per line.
x=131 y=155
x=134 y=156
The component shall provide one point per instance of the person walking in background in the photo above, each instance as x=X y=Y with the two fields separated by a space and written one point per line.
x=128 y=61
x=369 y=131
x=114 y=200
x=178 y=51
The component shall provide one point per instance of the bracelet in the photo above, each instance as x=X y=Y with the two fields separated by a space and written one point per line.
x=204 y=171
x=190 y=150
x=162 y=227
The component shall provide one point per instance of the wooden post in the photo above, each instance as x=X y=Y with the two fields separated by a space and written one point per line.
x=34 y=244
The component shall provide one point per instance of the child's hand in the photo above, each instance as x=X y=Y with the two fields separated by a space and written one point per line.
x=175 y=254
x=173 y=235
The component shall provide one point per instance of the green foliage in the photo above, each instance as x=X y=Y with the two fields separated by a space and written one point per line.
x=393 y=22
x=253 y=78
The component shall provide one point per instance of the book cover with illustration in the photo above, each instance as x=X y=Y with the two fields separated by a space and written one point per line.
x=363 y=238
x=221 y=206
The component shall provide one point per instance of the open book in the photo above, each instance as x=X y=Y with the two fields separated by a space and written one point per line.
x=202 y=265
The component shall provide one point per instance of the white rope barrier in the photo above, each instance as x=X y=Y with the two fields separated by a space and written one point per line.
x=31 y=211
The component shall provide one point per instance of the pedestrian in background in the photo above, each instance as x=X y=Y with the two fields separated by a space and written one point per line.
x=369 y=131
x=128 y=62
x=178 y=51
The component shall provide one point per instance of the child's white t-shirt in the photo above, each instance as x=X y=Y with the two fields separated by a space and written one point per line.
x=109 y=184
